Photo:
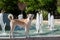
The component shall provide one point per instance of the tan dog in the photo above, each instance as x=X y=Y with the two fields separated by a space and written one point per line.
x=25 y=23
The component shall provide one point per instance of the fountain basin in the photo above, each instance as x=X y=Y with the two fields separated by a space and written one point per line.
x=21 y=33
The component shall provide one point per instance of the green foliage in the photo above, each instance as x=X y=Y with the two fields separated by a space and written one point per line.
x=8 y=5
x=45 y=15
x=49 y=5
x=58 y=2
x=58 y=9
x=31 y=5
x=1 y=4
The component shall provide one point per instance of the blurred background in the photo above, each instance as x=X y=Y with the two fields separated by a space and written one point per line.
x=25 y=7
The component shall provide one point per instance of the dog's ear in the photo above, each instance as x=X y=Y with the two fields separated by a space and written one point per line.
x=28 y=15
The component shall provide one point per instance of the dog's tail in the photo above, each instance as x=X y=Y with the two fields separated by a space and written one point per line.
x=10 y=17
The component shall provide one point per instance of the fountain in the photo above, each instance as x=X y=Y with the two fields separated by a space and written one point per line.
x=52 y=23
x=41 y=23
x=2 y=24
x=49 y=20
x=39 y=26
x=3 y=29
x=37 y=23
x=20 y=16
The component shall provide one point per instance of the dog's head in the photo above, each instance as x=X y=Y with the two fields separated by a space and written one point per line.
x=30 y=16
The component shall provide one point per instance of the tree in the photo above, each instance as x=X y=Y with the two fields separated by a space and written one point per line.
x=31 y=5
x=48 y=5
x=10 y=6
x=1 y=4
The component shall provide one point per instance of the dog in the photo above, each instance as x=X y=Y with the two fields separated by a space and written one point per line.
x=24 y=23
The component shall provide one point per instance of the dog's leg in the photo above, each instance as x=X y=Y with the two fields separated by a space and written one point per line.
x=12 y=27
x=27 y=31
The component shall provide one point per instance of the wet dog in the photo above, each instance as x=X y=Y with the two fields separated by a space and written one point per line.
x=25 y=23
